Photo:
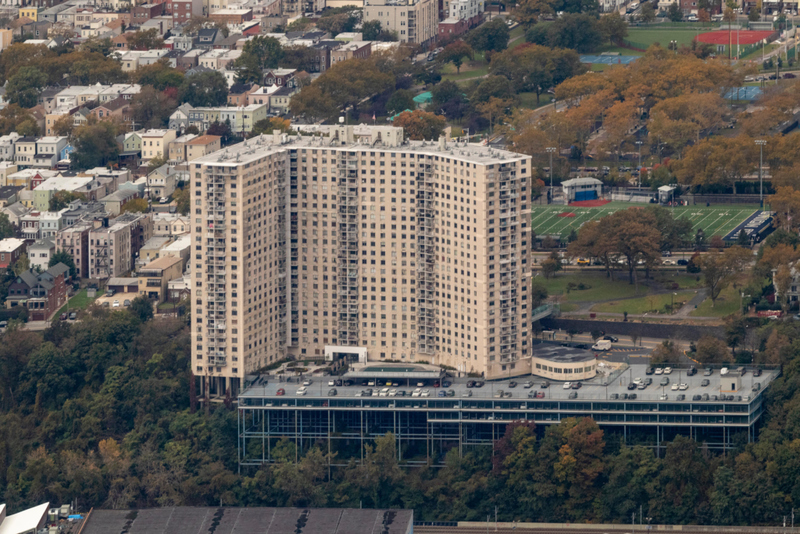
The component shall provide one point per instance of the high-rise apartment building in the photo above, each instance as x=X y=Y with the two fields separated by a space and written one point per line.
x=359 y=241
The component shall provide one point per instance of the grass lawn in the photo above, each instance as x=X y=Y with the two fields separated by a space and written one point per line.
x=651 y=303
x=528 y=100
x=568 y=307
x=651 y=35
x=727 y=303
x=714 y=220
x=758 y=53
x=79 y=302
x=600 y=287
x=684 y=280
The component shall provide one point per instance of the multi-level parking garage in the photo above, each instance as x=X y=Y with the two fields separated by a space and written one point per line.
x=428 y=419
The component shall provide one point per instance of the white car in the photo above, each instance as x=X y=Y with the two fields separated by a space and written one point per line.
x=307 y=382
x=663 y=396
x=668 y=262
x=637 y=380
x=675 y=386
x=425 y=393
x=392 y=392
x=416 y=392
x=302 y=391
x=115 y=304
x=527 y=384
x=659 y=371
x=683 y=387
x=567 y=385
x=163 y=200
x=384 y=392
x=667 y=370
x=331 y=382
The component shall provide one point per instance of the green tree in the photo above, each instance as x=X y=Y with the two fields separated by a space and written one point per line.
x=613 y=27
x=267 y=126
x=455 y=53
x=151 y=108
x=720 y=268
x=22 y=264
x=401 y=100
x=61 y=199
x=742 y=239
x=23 y=88
x=580 y=32
x=754 y=15
x=528 y=12
x=674 y=13
x=6 y=228
x=144 y=40
x=535 y=68
x=489 y=37
x=64 y=257
x=141 y=308
x=420 y=125
x=371 y=30
x=136 y=205
x=647 y=13
x=204 y=89
x=712 y=350
x=95 y=145
x=493 y=86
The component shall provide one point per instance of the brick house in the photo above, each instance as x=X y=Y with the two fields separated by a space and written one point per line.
x=43 y=294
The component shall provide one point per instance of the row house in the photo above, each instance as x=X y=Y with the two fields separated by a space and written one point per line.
x=170 y=224
x=177 y=149
x=218 y=59
x=142 y=13
x=155 y=143
x=183 y=10
x=119 y=108
x=39 y=254
x=45 y=191
x=7 y=144
x=48 y=151
x=43 y=294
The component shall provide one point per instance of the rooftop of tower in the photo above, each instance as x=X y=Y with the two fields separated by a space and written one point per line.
x=383 y=138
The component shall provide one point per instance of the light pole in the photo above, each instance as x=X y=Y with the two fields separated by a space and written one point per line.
x=760 y=143
x=639 y=144
x=550 y=151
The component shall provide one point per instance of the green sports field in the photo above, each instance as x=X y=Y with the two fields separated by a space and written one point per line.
x=714 y=220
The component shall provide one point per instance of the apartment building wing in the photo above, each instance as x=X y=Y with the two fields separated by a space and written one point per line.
x=155 y=143
x=202 y=145
x=155 y=276
x=74 y=240
x=415 y=21
x=177 y=148
x=365 y=249
x=8 y=144
x=112 y=245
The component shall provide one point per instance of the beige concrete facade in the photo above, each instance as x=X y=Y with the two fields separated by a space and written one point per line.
x=414 y=251
x=154 y=277
x=415 y=21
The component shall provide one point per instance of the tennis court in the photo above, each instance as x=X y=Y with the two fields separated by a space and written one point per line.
x=559 y=220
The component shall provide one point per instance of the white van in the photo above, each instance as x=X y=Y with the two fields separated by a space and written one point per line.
x=602 y=344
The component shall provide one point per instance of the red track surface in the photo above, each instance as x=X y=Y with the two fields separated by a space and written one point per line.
x=566 y=214
x=590 y=203
x=721 y=37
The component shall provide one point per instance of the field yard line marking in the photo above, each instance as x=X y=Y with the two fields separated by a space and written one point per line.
x=552 y=216
x=697 y=224
x=552 y=225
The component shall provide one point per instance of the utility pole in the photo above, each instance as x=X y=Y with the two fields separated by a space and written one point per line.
x=639 y=144
x=760 y=143
x=550 y=151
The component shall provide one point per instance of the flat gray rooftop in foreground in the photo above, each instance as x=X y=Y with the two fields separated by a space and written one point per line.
x=594 y=389
x=190 y=520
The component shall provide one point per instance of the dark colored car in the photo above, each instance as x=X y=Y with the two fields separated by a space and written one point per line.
x=650 y=371
x=681 y=397
x=612 y=339
x=479 y=384
x=576 y=385
x=64 y=316
x=338 y=382
x=446 y=384
x=683 y=262
x=756 y=372
x=573 y=395
x=436 y=383
x=632 y=396
x=512 y=384
x=631 y=386
x=692 y=371
x=545 y=385
x=332 y=392
x=471 y=384
x=348 y=383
